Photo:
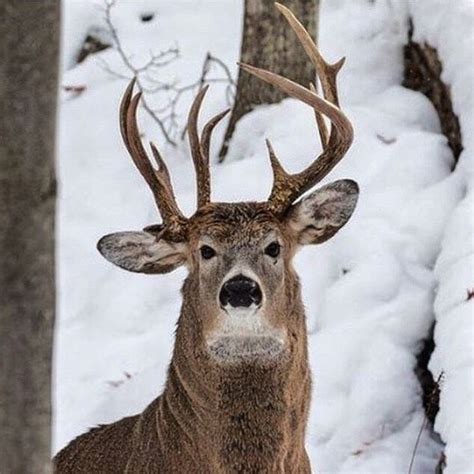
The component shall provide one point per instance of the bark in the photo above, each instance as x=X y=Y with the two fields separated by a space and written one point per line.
x=29 y=38
x=268 y=42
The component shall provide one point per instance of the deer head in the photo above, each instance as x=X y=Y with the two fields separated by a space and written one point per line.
x=241 y=286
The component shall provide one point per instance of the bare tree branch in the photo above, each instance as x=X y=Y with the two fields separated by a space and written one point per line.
x=146 y=79
x=109 y=4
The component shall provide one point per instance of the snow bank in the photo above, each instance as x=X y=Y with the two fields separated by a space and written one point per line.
x=369 y=292
x=450 y=31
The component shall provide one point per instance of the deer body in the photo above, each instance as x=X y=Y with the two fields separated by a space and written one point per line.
x=238 y=387
x=248 y=416
x=221 y=436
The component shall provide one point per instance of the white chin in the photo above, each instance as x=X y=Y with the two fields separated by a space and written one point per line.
x=243 y=335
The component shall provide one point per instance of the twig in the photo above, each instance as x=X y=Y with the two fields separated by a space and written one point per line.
x=109 y=4
x=433 y=394
x=166 y=116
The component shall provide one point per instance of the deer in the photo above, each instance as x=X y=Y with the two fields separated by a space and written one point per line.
x=238 y=386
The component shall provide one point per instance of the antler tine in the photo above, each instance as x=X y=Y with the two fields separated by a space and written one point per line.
x=207 y=133
x=326 y=72
x=321 y=124
x=158 y=180
x=162 y=171
x=124 y=106
x=200 y=147
x=280 y=177
x=203 y=184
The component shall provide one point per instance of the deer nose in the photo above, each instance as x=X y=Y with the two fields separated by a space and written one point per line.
x=240 y=291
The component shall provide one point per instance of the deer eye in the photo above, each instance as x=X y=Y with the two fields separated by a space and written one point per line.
x=207 y=252
x=272 y=250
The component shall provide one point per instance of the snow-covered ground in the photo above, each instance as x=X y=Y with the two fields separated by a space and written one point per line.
x=372 y=293
x=451 y=31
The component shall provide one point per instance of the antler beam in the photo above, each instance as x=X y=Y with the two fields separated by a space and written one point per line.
x=157 y=179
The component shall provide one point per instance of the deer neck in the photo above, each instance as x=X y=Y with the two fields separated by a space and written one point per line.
x=249 y=416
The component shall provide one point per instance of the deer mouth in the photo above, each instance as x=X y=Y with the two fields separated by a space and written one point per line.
x=246 y=349
x=244 y=335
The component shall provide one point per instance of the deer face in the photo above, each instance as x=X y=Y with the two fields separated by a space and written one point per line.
x=239 y=258
x=241 y=291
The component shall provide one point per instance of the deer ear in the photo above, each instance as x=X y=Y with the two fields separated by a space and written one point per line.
x=142 y=252
x=321 y=214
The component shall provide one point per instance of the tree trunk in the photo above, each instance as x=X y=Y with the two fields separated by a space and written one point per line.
x=29 y=38
x=268 y=42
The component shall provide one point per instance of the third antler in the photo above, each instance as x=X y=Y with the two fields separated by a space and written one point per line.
x=288 y=187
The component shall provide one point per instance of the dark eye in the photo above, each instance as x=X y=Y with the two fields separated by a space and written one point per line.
x=273 y=249
x=207 y=252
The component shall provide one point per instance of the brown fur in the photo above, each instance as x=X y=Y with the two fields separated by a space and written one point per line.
x=247 y=416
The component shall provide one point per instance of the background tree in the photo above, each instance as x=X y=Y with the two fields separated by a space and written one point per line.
x=267 y=42
x=29 y=38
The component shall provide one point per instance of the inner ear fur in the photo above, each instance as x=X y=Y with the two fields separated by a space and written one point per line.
x=322 y=213
x=142 y=252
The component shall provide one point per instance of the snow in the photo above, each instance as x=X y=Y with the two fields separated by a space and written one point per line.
x=372 y=293
x=450 y=31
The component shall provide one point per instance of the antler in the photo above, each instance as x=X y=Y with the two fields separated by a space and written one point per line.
x=288 y=187
x=159 y=181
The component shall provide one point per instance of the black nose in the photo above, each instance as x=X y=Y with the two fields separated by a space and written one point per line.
x=240 y=291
